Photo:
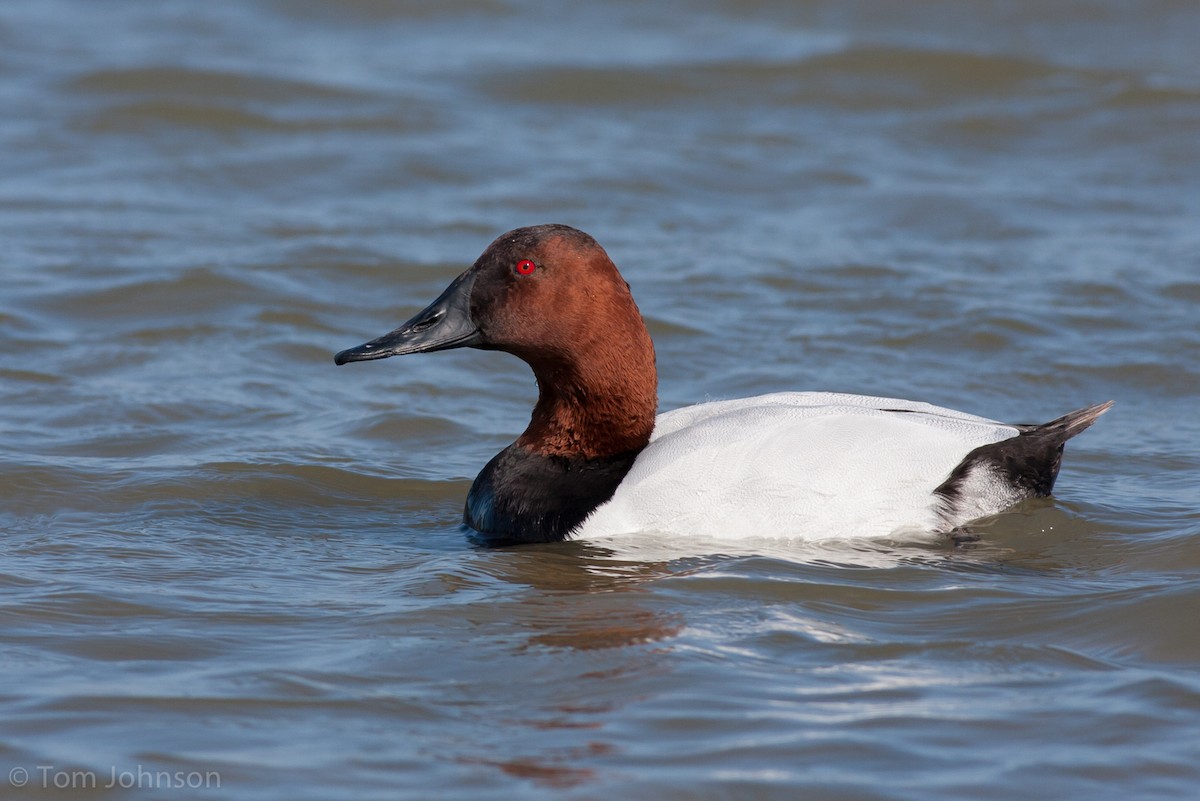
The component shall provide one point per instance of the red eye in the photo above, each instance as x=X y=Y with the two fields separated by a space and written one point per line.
x=525 y=267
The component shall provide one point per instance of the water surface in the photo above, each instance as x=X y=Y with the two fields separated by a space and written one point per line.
x=232 y=565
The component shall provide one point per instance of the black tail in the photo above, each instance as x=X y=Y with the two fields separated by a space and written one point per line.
x=1069 y=424
x=1027 y=463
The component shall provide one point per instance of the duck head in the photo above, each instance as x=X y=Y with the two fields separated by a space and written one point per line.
x=551 y=296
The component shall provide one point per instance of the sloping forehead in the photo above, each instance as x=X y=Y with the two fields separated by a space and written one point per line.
x=545 y=240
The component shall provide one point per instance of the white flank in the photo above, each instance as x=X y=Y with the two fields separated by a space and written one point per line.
x=800 y=465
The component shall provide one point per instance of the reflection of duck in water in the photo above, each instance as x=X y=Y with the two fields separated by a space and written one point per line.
x=595 y=460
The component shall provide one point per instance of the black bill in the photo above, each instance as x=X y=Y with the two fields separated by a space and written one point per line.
x=444 y=324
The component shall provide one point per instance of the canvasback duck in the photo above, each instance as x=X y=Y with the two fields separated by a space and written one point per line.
x=597 y=461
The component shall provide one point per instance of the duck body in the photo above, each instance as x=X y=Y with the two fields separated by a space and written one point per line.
x=808 y=465
x=596 y=460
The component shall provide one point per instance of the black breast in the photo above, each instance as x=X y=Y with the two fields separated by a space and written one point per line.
x=528 y=497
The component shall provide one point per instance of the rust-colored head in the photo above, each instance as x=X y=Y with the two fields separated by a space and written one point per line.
x=550 y=295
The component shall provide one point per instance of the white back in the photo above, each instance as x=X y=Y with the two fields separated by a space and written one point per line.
x=806 y=465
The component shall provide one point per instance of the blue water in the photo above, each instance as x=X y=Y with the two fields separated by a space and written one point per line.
x=234 y=570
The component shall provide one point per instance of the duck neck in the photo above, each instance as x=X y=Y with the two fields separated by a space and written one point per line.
x=585 y=411
x=582 y=440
